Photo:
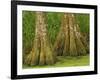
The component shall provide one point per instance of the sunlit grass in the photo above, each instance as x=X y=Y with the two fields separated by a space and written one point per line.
x=66 y=61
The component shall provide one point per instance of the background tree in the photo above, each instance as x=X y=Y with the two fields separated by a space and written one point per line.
x=70 y=40
x=41 y=52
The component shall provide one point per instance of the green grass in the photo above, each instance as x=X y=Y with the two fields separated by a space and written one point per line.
x=66 y=61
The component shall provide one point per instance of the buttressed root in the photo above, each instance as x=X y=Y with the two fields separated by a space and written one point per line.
x=41 y=53
x=70 y=40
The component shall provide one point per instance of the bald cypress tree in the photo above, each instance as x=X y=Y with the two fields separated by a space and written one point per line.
x=41 y=53
x=70 y=40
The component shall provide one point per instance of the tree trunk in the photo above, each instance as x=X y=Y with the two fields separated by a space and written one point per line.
x=69 y=40
x=41 y=53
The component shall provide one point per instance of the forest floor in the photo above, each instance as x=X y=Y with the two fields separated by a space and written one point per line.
x=65 y=61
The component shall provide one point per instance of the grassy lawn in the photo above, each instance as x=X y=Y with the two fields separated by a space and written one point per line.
x=66 y=61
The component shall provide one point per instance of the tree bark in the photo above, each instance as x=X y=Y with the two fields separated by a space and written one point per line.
x=41 y=53
x=69 y=40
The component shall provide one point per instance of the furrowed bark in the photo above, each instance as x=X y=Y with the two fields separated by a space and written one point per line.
x=73 y=49
x=41 y=53
x=70 y=40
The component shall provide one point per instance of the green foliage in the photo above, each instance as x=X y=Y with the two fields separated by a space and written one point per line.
x=53 y=25
x=28 y=18
x=83 y=21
